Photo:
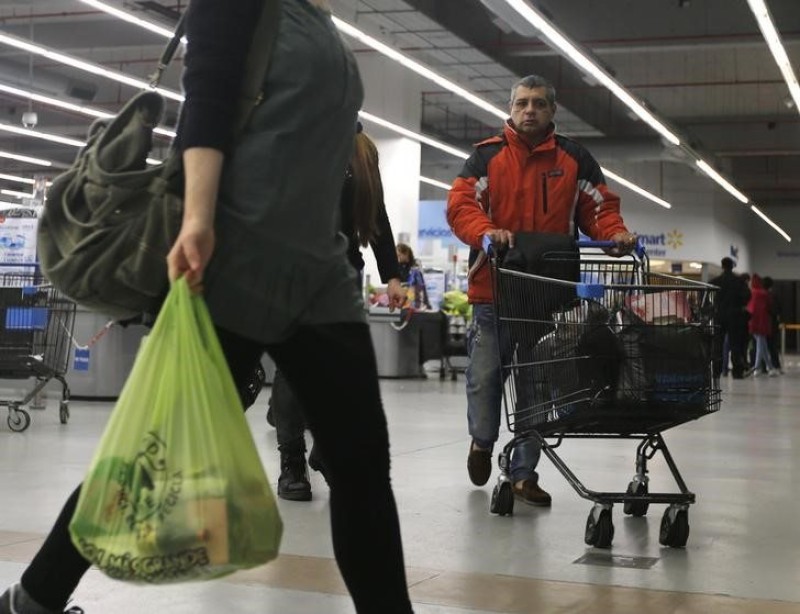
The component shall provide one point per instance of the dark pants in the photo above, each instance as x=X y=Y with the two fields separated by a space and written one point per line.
x=339 y=391
x=289 y=416
x=773 y=342
x=735 y=329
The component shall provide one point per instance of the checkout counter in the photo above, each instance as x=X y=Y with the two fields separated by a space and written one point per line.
x=405 y=341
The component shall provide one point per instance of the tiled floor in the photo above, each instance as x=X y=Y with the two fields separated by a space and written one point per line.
x=743 y=553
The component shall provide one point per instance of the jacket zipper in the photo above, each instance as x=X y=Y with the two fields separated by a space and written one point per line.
x=544 y=191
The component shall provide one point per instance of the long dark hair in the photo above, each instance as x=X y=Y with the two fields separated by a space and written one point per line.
x=367 y=188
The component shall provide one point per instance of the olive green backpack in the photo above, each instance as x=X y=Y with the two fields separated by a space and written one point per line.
x=109 y=221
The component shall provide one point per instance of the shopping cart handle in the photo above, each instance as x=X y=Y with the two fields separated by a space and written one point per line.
x=639 y=250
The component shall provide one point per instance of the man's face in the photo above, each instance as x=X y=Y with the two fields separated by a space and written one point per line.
x=531 y=113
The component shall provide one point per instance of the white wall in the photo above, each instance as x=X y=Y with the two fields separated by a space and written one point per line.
x=394 y=94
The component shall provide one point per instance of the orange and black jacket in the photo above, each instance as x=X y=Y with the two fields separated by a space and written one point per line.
x=507 y=185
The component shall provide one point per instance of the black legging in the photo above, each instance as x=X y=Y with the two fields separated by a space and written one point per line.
x=333 y=370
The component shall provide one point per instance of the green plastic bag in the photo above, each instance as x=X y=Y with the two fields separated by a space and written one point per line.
x=176 y=490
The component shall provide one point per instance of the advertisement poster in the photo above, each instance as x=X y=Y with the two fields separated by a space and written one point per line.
x=17 y=239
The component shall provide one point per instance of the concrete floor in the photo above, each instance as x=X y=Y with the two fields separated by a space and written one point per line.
x=743 y=553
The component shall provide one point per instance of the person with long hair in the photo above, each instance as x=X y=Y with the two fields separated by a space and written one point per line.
x=760 y=325
x=260 y=239
x=413 y=279
x=364 y=222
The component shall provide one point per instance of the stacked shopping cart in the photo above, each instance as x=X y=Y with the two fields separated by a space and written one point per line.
x=36 y=327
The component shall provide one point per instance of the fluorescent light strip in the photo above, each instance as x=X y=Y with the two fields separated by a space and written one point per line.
x=704 y=166
x=773 y=38
x=418 y=68
x=559 y=40
x=414 y=136
x=125 y=16
x=36 y=134
x=81 y=109
x=16 y=179
x=95 y=69
x=764 y=217
x=17 y=194
x=27 y=159
x=636 y=188
x=435 y=183
x=15 y=91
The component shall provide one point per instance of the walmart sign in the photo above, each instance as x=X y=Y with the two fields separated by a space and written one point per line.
x=657 y=244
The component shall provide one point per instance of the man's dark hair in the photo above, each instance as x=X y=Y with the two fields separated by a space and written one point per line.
x=532 y=81
x=767 y=282
x=727 y=264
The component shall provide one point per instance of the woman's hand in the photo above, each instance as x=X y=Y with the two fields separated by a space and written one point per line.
x=191 y=253
x=397 y=294
x=202 y=167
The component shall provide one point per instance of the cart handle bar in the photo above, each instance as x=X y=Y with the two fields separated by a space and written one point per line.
x=639 y=250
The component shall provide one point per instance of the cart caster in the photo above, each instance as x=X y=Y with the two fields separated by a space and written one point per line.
x=502 y=499
x=63 y=412
x=442 y=374
x=18 y=419
x=636 y=508
x=674 y=527
x=454 y=376
x=599 y=528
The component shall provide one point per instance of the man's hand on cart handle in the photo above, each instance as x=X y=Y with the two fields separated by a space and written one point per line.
x=626 y=243
x=499 y=238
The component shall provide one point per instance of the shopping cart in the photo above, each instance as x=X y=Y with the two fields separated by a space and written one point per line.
x=621 y=354
x=36 y=326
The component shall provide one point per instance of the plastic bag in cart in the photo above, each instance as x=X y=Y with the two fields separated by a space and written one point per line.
x=666 y=363
x=176 y=490
x=574 y=366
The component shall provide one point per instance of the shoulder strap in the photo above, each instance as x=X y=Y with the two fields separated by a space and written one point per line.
x=258 y=61
x=169 y=51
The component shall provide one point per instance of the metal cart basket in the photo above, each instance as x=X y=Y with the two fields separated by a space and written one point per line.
x=36 y=327
x=621 y=354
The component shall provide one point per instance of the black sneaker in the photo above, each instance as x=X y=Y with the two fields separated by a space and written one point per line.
x=9 y=604
x=293 y=484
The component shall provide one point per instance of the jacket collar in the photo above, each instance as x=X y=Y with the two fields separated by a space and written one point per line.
x=516 y=140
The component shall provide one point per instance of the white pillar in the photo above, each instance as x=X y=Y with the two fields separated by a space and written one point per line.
x=393 y=93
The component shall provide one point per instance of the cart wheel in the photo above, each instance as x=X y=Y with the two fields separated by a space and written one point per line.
x=442 y=373
x=636 y=508
x=502 y=500
x=18 y=420
x=63 y=412
x=600 y=532
x=454 y=376
x=674 y=528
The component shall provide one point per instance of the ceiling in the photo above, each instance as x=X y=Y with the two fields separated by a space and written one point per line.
x=700 y=65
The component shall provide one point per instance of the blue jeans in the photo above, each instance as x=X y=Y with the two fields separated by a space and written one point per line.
x=762 y=353
x=485 y=391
